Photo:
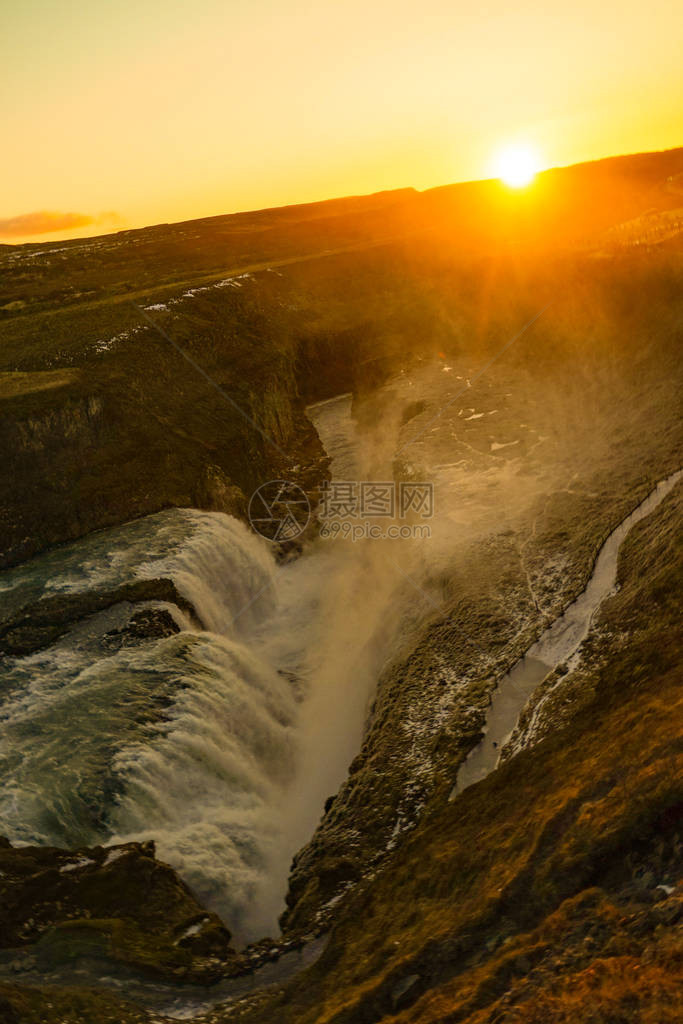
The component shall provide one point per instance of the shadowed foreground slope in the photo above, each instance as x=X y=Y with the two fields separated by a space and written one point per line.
x=552 y=890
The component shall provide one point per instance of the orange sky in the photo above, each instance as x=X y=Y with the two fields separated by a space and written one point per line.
x=139 y=111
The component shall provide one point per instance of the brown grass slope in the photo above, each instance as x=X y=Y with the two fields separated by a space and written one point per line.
x=533 y=897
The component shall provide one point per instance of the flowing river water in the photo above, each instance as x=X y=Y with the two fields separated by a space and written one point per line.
x=222 y=741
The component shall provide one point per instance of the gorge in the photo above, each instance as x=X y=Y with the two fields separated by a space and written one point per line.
x=346 y=779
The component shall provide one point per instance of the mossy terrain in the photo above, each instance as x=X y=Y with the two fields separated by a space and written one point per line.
x=552 y=889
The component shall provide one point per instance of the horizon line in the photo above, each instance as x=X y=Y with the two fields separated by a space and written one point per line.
x=333 y=198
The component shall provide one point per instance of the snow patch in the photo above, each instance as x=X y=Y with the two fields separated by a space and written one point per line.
x=82 y=862
x=194 y=929
x=496 y=445
x=115 y=854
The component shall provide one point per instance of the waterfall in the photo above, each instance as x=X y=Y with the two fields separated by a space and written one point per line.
x=220 y=742
x=225 y=572
x=188 y=739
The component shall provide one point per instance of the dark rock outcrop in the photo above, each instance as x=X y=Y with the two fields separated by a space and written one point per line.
x=43 y=622
x=146 y=624
x=119 y=905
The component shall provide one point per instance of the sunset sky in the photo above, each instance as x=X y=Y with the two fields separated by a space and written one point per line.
x=132 y=112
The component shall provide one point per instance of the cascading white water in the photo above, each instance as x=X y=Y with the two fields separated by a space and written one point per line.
x=220 y=743
x=206 y=786
x=224 y=571
x=187 y=739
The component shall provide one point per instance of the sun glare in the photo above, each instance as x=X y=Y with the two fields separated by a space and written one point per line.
x=517 y=165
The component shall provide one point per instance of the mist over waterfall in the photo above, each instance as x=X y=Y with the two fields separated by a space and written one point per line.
x=221 y=742
x=385 y=728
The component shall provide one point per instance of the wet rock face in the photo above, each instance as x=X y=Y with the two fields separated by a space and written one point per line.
x=117 y=904
x=428 y=712
x=147 y=624
x=40 y=624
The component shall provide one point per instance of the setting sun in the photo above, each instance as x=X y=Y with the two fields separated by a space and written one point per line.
x=517 y=165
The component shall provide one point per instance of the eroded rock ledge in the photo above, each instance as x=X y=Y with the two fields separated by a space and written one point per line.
x=118 y=905
x=41 y=623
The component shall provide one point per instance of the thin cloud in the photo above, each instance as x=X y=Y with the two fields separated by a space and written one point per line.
x=46 y=221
